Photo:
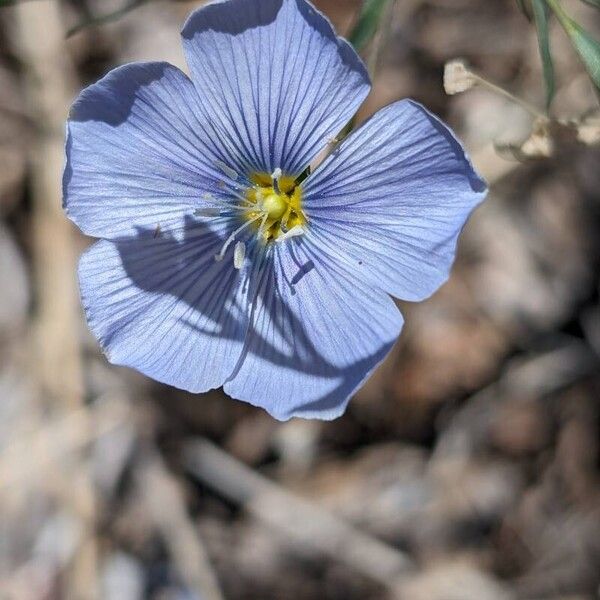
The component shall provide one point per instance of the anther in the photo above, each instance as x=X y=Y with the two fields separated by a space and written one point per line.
x=207 y=212
x=239 y=253
x=219 y=256
x=275 y=176
x=231 y=173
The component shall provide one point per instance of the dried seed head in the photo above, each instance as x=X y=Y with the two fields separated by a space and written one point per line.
x=588 y=131
x=457 y=77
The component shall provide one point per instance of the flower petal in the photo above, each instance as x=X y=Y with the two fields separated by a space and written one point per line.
x=276 y=81
x=393 y=198
x=165 y=307
x=136 y=155
x=315 y=335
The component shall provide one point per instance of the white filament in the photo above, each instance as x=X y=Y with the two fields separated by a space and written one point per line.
x=293 y=232
x=261 y=229
x=238 y=203
x=257 y=207
x=232 y=237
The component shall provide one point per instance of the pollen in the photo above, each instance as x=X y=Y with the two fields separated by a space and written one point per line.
x=275 y=206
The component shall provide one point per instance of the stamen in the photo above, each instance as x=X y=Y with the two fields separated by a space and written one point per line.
x=261 y=229
x=207 y=212
x=275 y=176
x=231 y=173
x=243 y=199
x=238 y=203
x=231 y=238
x=239 y=253
x=275 y=200
x=293 y=232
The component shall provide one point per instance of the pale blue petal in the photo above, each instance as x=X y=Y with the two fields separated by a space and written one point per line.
x=165 y=307
x=136 y=154
x=391 y=201
x=276 y=82
x=315 y=335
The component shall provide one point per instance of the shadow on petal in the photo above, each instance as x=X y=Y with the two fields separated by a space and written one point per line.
x=233 y=17
x=282 y=367
x=110 y=100
x=477 y=184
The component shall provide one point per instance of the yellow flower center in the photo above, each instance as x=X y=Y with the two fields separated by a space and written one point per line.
x=276 y=205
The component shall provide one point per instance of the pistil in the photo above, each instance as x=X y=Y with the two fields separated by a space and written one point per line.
x=272 y=205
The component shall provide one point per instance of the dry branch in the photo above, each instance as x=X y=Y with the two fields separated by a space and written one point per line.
x=49 y=84
x=163 y=498
x=303 y=523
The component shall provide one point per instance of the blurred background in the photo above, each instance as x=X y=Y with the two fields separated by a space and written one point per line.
x=467 y=468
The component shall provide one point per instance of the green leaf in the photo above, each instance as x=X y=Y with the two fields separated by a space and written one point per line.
x=594 y=3
x=540 y=14
x=368 y=21
x=589 y=52
x=107 y=18
x=586 y=46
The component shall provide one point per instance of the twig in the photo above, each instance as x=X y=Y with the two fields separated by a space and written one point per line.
x=162 y=496
x=106 y=18
x=49 y=84
x=534 y=376
x=28 y=456
x=500 y=91
x=304 y=523
x=32 y=465
x=381 y=38
x=49 y=87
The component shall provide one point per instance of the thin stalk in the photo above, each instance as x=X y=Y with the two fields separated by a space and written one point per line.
x=532 y=110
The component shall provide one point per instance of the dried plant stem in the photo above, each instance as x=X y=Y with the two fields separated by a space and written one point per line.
x=532 y=110
x=535 y=376
x=49 y=80
x=29 y=455
x=303 y=523
x=107 y=18
x=380 y=40
x=49 y=87
x=163 y=498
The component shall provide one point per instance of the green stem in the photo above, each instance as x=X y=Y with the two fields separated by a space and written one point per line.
x=102 y=19
x=561 y=15
x=380 y=39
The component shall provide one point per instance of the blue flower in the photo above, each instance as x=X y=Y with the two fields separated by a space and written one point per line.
x=217 y=267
